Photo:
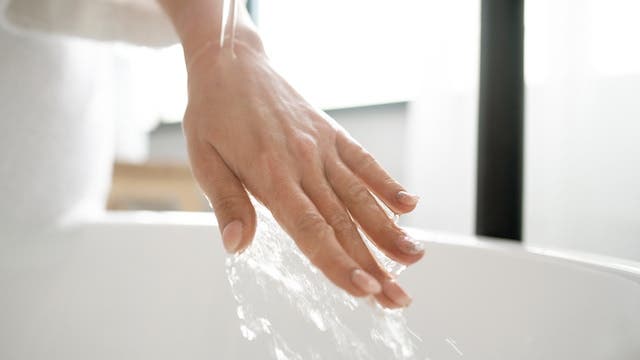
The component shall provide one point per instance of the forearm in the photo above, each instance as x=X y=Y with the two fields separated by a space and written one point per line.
x=198 y=22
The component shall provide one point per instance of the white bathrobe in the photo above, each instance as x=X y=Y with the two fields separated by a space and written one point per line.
x=56 y=138
x=136 y=21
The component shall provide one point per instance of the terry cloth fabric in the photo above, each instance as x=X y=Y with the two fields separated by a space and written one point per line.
x=140 y=22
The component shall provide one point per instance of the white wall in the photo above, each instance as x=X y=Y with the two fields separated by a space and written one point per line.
x=583 y=126
x=381 y=129
x=441 y=148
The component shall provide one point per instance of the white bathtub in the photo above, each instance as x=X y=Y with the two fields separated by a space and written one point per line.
x=153 y=286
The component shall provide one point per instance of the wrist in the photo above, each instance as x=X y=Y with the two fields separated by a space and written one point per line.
x=198 y=25
x=210 y=52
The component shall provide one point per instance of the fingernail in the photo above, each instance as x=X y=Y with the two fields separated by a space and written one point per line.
x=407 y=199
x=393 y=291
x=365 y=282
x=409 y=246
x=232 y=236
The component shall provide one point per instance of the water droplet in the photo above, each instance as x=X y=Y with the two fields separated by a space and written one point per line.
x=453 y=344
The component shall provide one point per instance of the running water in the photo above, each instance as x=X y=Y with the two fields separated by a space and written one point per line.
x=289 y=308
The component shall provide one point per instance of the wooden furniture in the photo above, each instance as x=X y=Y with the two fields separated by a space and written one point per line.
x=155 y=186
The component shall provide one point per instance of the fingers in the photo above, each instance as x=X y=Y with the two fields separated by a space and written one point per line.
x=362 y=164
x=394 y=242
x=312 y=213
x=336 y=216
x=234 y=211
x=317 y=240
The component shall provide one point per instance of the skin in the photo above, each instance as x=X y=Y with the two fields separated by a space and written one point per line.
x=248 y=130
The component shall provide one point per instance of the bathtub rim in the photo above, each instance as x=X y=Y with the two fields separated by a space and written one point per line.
x=627 y=268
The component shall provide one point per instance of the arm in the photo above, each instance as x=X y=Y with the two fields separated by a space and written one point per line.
x=246 y=127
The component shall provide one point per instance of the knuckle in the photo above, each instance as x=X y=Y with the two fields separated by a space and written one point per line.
x=343 y=141
x=188 y=120
x=227 y=203
x=389 y=229
x=388 y=181
x=305 y=146
x=311 y=223
x=325 y=125
x=315 y=232
x=341 y=223
x=359 y=193
x=366 y=160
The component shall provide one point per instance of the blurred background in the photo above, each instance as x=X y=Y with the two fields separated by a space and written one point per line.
x=403 y=77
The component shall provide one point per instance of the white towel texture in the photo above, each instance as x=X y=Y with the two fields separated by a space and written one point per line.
x=140 y=22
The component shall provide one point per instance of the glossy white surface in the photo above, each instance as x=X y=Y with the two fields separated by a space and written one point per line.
x=151 y=286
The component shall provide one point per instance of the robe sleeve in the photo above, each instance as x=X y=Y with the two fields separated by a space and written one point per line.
x=140 y=22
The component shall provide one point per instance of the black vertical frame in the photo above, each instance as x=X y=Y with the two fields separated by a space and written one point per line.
x=500 y=120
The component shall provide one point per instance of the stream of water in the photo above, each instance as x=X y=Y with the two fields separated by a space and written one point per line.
x=288 y=306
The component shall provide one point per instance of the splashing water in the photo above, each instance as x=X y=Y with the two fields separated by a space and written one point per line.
x=288 y=307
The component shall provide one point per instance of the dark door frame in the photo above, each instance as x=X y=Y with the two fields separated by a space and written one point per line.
x=500 y=120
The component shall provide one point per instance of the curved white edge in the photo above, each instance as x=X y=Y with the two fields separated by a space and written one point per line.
x=159 y=218
x=627 y=268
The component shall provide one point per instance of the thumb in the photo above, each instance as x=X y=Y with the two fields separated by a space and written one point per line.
x=228 y=197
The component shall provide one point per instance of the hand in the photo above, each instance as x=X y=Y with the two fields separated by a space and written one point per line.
x=247 y=129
